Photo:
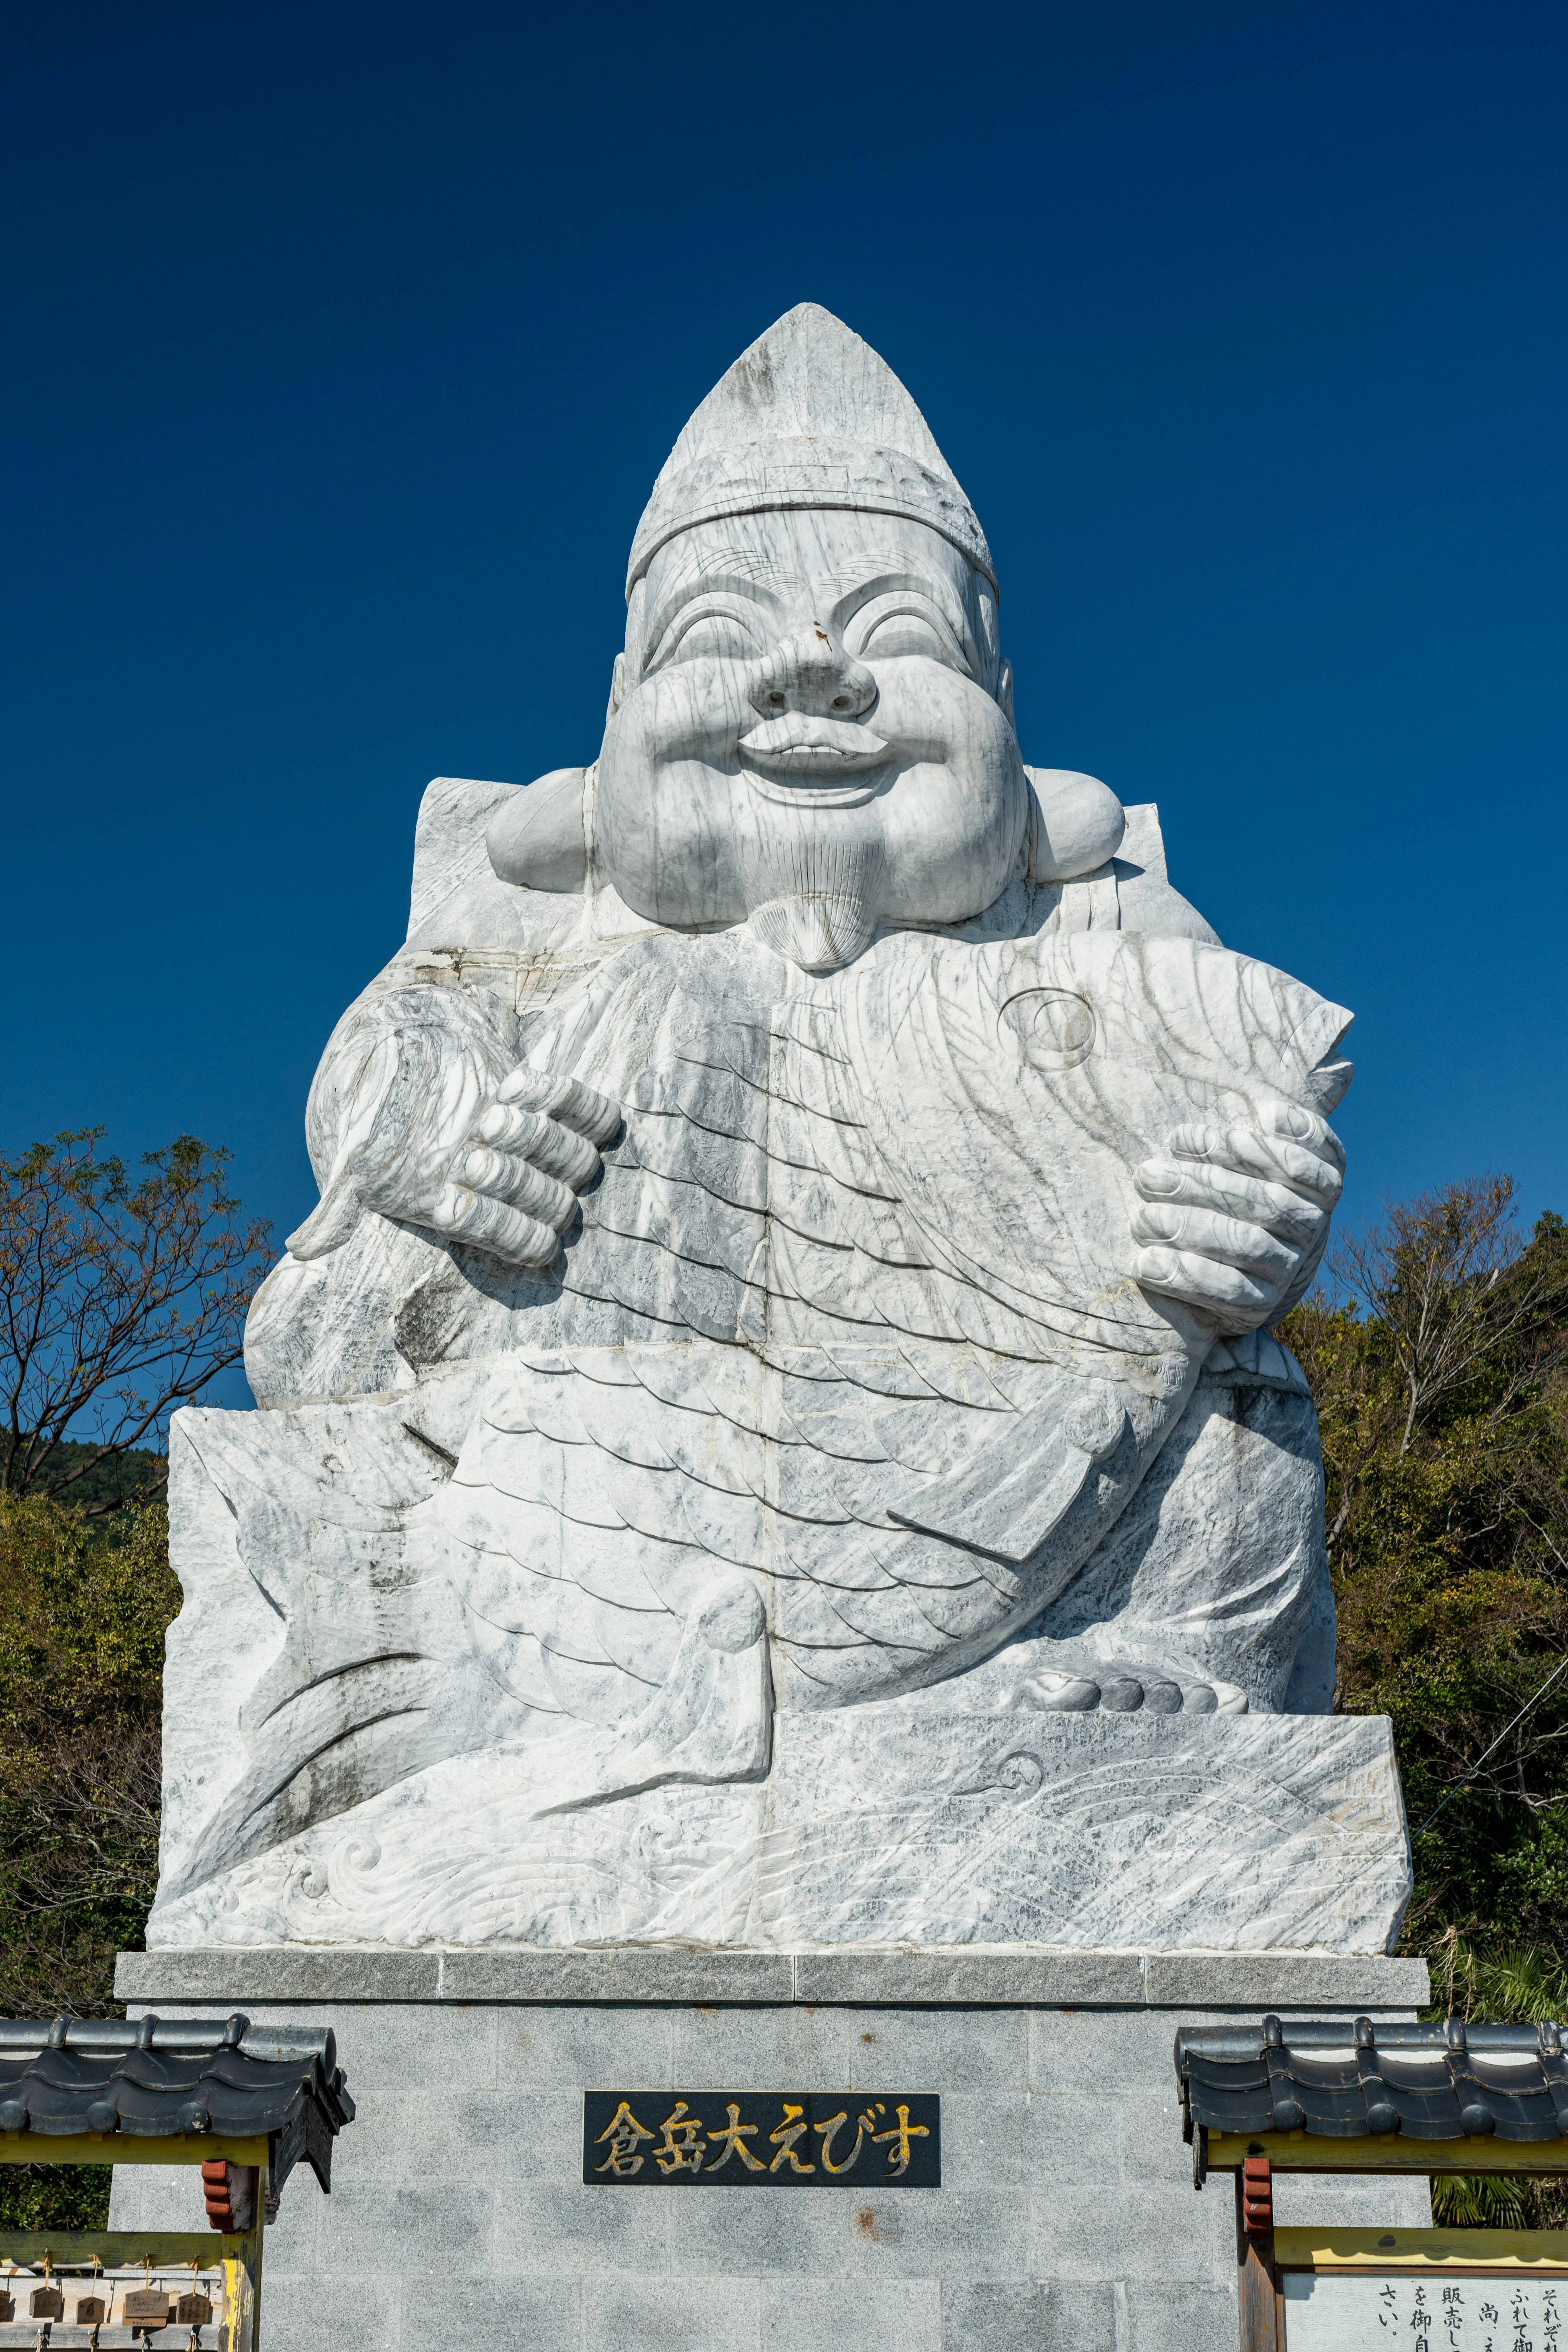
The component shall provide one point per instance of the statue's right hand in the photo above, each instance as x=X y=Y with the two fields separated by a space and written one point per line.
x=512 y=1184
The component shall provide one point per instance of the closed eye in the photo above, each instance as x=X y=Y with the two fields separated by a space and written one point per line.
x=896 y=625
x=709 y=632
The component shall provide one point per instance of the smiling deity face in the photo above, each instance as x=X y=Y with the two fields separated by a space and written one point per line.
x=811 y=730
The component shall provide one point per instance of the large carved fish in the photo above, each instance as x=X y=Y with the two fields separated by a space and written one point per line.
x=849 y=1323
x=841 y=1381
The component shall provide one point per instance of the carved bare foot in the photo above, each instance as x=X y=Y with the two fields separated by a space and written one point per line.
x=514 y=1182
x=1124 y=1690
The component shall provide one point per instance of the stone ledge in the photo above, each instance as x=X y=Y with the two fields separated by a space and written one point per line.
x=894 y=1977
x=960 y=1977
x=1282 y=1981
x=278 y=1973
x=655 y=1972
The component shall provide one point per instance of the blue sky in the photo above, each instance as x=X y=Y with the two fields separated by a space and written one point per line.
x=346 y=343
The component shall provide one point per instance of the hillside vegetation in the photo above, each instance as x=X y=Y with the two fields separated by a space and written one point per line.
x=1439 y=1362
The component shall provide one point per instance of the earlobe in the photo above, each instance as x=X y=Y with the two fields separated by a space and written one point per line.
x=1004 y=693
x=536 y=839
x=617 y=688
x=1077 y=823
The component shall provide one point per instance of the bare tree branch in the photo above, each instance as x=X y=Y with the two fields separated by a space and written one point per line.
x=121 y=1299
x=1452 y=1285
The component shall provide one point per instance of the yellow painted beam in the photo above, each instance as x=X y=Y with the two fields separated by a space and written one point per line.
x=164 y=2249
x=126 y=2148
x=1525 y=2253
x=1387 y=2152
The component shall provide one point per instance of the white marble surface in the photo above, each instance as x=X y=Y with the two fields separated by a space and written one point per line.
x=800 y=1220
x=930 y=1823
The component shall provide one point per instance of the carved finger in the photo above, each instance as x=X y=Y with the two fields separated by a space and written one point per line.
x=527 y=1188
x=505 y=1233
x=576 y=1106
x=563 y=1153
x=1297 y=1124
x=1190 y=1184
x=1233 y=1241
x=1248 y=1151
x=1204 y=1282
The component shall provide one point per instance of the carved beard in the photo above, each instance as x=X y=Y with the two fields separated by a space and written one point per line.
x=811 y=885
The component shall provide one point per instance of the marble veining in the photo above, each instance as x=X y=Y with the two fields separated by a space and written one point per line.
x=772 y=1435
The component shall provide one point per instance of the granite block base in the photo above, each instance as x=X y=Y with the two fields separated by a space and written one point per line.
x=459 y=2216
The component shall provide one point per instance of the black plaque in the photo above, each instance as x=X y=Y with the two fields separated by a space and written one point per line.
x=762 y=2139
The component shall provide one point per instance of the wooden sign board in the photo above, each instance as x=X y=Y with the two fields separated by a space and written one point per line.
x=108 y=2297
x=187 y=2273
x=762 y=2139
x=1428 y=2290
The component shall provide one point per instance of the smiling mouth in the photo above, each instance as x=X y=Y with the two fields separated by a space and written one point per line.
x=813 y=749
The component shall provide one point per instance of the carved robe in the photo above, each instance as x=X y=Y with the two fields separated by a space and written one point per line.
x=838 y=1391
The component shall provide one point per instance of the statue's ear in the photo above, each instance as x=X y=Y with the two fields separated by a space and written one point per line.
x=1004 y=692
x=536 y=839
x=1077 y=823
x=617 y=688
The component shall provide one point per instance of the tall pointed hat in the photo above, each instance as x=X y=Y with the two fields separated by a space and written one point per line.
x=810 y=416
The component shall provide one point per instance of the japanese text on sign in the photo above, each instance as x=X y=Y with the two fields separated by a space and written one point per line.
x=783 y=2139
x=1340 y=2313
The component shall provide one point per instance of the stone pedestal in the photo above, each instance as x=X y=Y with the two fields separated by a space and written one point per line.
x=780 y=1554
x=940 y=1821
x=459 y=2217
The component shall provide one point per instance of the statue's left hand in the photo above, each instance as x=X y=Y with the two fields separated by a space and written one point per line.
x=513 y=1185
x=1235 y=1219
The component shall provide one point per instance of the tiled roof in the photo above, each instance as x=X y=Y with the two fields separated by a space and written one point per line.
x=154 y=2077
x=1345 y=2080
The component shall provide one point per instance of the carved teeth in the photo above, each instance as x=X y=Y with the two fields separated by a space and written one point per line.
x=799 y=740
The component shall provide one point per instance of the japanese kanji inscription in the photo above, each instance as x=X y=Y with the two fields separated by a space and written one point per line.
x=1479 y=2312
x=785 y=2139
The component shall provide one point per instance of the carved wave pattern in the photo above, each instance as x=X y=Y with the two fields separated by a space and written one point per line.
x=1260 y=1834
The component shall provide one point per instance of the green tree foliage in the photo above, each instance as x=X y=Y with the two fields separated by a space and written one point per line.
x=1441 y=1381
x=83 y=1618
x=121 y=1297
x=1440 y=1366
x=83 y=1609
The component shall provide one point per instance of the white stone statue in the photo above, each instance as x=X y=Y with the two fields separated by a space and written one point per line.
x=779 y=1376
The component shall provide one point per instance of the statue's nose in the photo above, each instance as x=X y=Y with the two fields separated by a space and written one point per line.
x=810 y=671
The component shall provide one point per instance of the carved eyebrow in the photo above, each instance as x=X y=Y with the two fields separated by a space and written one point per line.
x=935 y=590
x=752 y=572
x=738 y=569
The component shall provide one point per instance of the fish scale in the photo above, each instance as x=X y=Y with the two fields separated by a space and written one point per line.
x=852 y=1322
